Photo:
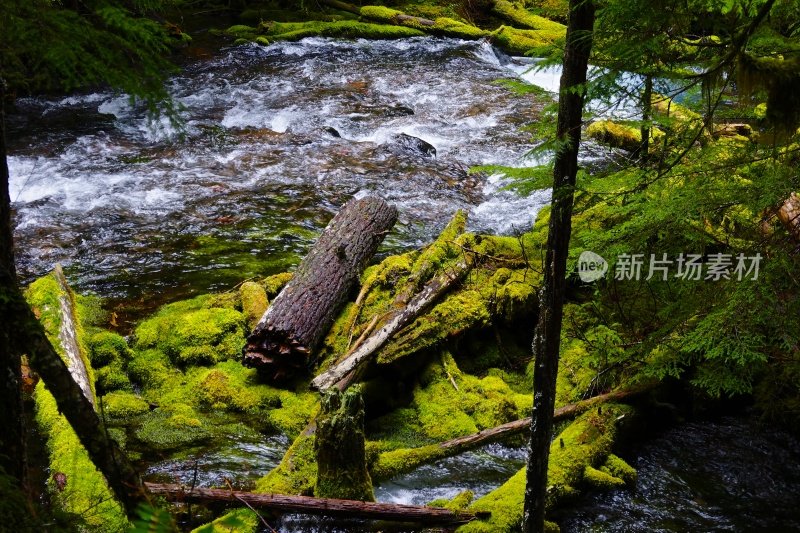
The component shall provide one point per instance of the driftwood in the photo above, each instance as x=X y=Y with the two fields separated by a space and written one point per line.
x=345 y=372
x=317 y=506
x=298 y=318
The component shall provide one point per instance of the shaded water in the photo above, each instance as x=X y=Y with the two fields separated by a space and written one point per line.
x=727 y=475
x=275 y=139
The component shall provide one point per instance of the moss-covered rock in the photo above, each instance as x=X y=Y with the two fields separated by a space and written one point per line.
x=111 y=377
x=106 y=347
x=297 y=471
x=123 y=405
x=459 y=502
x=254 y=302
x=194 y=331
x=618 y=468
x=294 y=31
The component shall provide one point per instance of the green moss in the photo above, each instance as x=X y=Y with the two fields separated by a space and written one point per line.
x=667 y=107
x=294 y=31
x=106 y=347
x=574 y=452
x=275 y=283
x=111 y=377
x=171 y=427
x=600 y=479
x=394 y=462
x=620 y=135
x=380 y=13
x=295 y=412
x=193 y=331
x=459 y=502
x=297 y=471
x=254 y=302
x=522 y=18
x=618 y=468
x=122 y=405
x=526 y=42
x=151 y=368
x=238 y=521
x=86 y=494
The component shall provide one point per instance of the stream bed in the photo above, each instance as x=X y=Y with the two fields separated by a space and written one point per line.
x=273 y=141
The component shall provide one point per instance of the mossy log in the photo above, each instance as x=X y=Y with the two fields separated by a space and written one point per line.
x=577 y=455
x=38 y=339
x=343 y=373
x=317 y=506
x=297 y=320
x=339 y=444
x=395 y=462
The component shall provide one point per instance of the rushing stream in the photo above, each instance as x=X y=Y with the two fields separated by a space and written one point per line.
x=274 y=140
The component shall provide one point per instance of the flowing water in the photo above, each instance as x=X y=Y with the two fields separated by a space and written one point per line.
x=274 y=140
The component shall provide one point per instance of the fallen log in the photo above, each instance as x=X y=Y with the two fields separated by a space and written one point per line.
x=486 y=436
x=317 y=506
x=392 y=463
x=283 y=340
x=343 y=373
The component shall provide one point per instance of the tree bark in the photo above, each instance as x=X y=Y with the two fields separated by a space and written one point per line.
x=548 y=330
x=299 y=317
x=647 y=104
x=12 y=435
x=344 y=373
x=340 y=448
x=122 y=477
x=317 y=506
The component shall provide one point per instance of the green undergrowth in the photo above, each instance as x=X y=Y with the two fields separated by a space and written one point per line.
x=580 y=456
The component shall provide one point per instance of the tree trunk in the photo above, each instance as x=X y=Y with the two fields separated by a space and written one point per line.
x=344 y=373
x=339 y=444
x=647 y=104
x=122 y=477
x=317 y=506
x=301 y=314
x=12 y=435
x=548 y=330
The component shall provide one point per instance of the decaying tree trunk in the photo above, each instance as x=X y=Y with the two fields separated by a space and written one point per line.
x=344 y=373
x=317 y=506
x=299 y=317
x=339 y=444
x=68 y=336
x=789 y=215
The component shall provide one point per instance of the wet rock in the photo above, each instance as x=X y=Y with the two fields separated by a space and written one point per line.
x=398 y=111
x=410 y=145
x=333 y=132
